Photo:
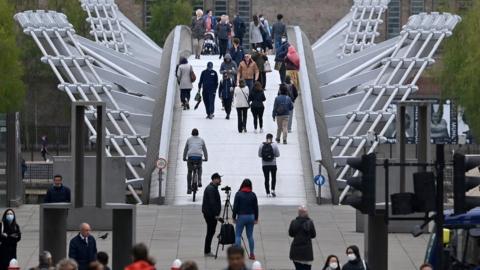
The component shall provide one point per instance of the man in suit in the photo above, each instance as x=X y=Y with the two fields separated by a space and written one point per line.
x=83 y=247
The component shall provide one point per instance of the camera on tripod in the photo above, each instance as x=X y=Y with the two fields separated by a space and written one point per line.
x=227 y=189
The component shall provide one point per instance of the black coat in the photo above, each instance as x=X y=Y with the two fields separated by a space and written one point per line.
x=355 y=265
x=211 y=204
x=303 y=231
x=257 y=98
x=245 y=203
x=81 y=252
x=225 y=90
x=57 y=195
x=10 y=235
x=208 y=80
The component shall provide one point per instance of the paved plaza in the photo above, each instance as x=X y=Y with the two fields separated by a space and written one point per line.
x=178 y=232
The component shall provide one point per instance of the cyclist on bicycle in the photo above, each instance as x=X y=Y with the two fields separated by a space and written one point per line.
x=195 y=151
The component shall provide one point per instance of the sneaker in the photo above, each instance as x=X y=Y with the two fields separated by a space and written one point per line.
x=277 y=140
x=189 y=191
x=255 y=131
x=261 y=130
x=273 y=194
x=210 y=254
x=252 y=257
x=268 y=195
x=199 y=184
x=245 y=130
x=284 y=141
x=228 y=117
x=188 y=106
x=207 y=117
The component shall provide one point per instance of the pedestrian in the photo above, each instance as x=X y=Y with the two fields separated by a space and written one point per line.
x=268 y=152
x=141 y=259
x=292 y=64
x=303 y=231
x=10 y=235
x=95 y=265
x=293 y=94
x=189 y=265
x=24 y=167
x=245 y=214
x=209 y=83
x=256 y=38
x=281 y=111
x=223 y=31
x=236 y=52
x=230 y=34
x=211 y=208
x=83 y=247
x=198 y=32
x=102 y=257
x=57 y=193
x=248 y=71
x=260 y=58
x=194 y=153
x=236 y=258
x=225 y=92
x=332 y=263
x=67 y=264
x=229 y=67
x=241 y=103
x=279 y=30
x=45 y=261
x=210 y=21
x=355 y=261
x=256 y=99
x=266 y=33
x=185 y=78
x=44 y=147
x=239 y=28
x=426 y=266
x=280 y=56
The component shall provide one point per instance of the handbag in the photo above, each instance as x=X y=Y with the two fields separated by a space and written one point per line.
x=193 y=77
x=227 y=234
x=266 y=67
x=278 y=65
x=198 y=96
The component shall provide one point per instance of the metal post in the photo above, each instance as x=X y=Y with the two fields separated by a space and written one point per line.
x=386 y=166
x=78 y=152
x=423 y=135
x=100 y=151
x=53 y=225
x=14 y=186
x=401 y=140
x=377 y=243
x=439 y=218
x=123 y=234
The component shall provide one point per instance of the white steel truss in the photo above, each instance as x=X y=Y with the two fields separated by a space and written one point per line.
x=358 y=90
x=90 y=72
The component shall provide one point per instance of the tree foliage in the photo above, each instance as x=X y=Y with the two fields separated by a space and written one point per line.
x=459 y=76
x=12 y=89
x=166 y=14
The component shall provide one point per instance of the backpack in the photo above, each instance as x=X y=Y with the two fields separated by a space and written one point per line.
x=267 y=152
x=282 y=108
x=227 y=234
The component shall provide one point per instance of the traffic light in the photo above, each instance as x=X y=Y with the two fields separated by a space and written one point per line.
x=462 y=184
x=364 y=202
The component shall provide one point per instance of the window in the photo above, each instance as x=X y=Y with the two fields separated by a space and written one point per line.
x=417 y=6
x=393 y=18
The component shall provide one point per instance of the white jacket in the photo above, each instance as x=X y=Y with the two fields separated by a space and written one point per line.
x=241 y=97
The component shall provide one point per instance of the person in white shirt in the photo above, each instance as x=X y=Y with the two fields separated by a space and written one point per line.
x=241 y=103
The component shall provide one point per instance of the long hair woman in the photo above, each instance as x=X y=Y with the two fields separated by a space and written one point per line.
x=332 y=263
x=256 y=38
x=184 y=79
x=245 y=214
x=9 y=237
x=256 y=98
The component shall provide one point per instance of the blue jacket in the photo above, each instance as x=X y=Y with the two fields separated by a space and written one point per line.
x=245 y=203
x=225 y=90
x=57 y=195
x=208 y=80
x=280 y=101
x=282 y=52
x=82 y=253
x=237 y=54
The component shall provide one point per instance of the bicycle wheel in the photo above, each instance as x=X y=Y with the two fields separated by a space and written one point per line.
x=194 y=184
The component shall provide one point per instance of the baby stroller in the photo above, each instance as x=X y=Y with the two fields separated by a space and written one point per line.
x=209 y=45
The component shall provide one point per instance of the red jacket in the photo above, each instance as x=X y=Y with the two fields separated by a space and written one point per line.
x=140 y=265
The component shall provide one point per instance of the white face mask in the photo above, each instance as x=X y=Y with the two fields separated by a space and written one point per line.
x=284 y=39
x=351 y=257
x=333 y=265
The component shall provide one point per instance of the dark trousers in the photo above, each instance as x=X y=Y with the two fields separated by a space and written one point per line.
x=258 y=116
x=301 y=266
x=190 y=164
x=242 y=119
x=283 y=73
x=223 y=43
x=209 y=101
x=249 y=83
x=227 y=104
x=211 y=227
x=267 y=170
x=262 y=78
x=185 y=95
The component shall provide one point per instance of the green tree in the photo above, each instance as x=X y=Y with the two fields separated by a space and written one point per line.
x=12 y=89
x=459 y=74
x=166 y=14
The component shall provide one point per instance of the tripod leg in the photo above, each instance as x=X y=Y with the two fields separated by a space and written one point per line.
x=245 y=247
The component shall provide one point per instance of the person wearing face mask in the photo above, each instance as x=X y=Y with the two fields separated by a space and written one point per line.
x=332 y=263
x=57 y=193
x=10 y=235
x=303 y=231
x=280 y=56
x=355 y=261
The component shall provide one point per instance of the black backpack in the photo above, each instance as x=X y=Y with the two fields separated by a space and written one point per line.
x=227 y=234
x=267 y=152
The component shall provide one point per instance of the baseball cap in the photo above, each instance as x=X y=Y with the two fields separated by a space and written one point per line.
x=216 y=175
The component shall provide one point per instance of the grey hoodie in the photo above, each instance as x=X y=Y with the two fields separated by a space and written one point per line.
x=195 y=147
x=229 y=65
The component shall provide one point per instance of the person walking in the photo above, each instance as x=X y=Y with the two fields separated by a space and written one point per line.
x=241 y=103
x=303 y=231
x=210 y=21
x=266 y=33
x=355 y=261
x=245 y=214
x=83 y=247
x=260 y=58
x=141 y=259
x=236 y=52
x=225 y=92
x=211 y=208
x=268 y=152
x=209 y=83
x=281 y=111
x=332 y=263
x=239 y=28
x=57 y=193
x=279 y=30
x=229 y=67
x=223 y=31
x=185 y=76
x=280 y=56
x=293 y=94
x=198 y=32
x=10 y=235
x=194 y=153
x=44 y=147
x=256 y=99
x=248 y=71
x=256 y=39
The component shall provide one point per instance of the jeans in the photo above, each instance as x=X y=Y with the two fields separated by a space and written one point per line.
x=250 y=83
x=247 y=222
x=257 y=116
x=223 y=43
x=282 y=126
x=211 y=227
x=209 y=101
x=282 y=72
x=301 y=266
x=227 y=104
x=267 y=170
x=262 y=78
x=290 y=120
x=197 y=46
x=185 y=95
x=278 y=43
x=242 y=119
x=190 y=164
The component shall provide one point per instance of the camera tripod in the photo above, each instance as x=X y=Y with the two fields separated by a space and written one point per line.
x=224 y=220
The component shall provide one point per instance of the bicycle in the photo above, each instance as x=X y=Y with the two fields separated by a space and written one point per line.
x=195 y=178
